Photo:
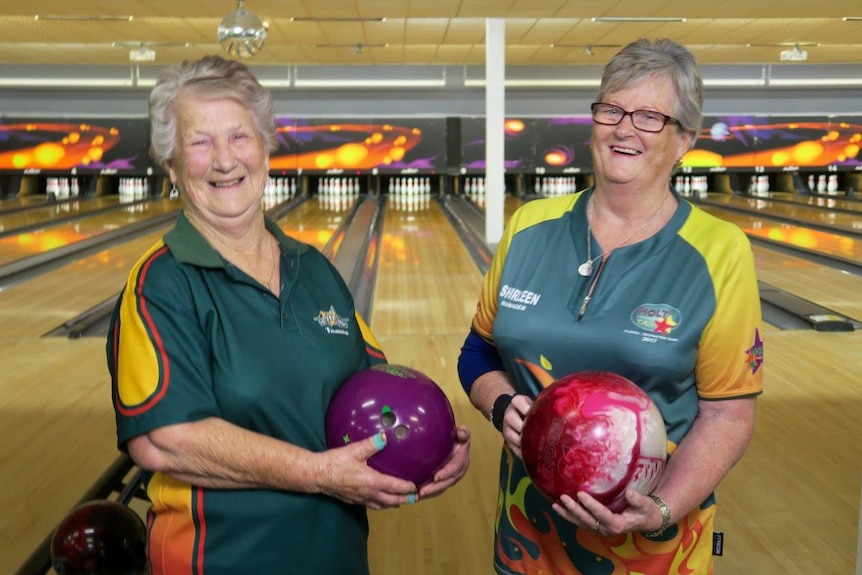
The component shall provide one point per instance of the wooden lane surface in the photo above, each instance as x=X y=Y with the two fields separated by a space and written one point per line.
x=58 y=435
x=792 y=235
x=829 y=287
x=803 y=214
x=311 y=223
x=18 y=202
x=56 y=415
x=823 y=202
x=19 y=246
x=425 y=296
x=791 y=506
x=36 y=307
x=46 y=214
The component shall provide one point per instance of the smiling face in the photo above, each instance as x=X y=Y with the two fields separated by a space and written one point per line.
x=220 y=163
x=623 y=155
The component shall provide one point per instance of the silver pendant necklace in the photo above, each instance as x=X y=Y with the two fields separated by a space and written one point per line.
x=586 y=268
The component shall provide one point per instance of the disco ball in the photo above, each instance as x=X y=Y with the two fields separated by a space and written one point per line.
x=241 y=33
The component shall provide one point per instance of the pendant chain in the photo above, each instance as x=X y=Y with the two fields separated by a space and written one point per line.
x=586 y=268
x=271 y=275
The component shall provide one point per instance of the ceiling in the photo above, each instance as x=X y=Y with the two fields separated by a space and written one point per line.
x=421 y=32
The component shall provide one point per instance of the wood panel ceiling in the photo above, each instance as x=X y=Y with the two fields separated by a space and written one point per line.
x=419 y=32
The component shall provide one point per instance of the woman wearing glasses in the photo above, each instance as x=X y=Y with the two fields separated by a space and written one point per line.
x=630 y=278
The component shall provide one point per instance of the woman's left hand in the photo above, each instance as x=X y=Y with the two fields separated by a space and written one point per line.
x=586 y=512
x=454 y=469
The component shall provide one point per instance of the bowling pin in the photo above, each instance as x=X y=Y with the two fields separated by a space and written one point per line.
x=821 y=183
x=832 y=184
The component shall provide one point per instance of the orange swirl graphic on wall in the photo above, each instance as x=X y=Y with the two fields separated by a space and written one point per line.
x=75 y=145
x=838 y=143
x=375 y=145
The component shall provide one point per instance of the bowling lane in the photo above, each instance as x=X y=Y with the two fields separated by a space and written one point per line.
x=314 y=222
x=794 y=236
x=829 y=287
x=425 y=295
x=35 y=307
x=510 y=204
x=20 y=246
x=823 y=202
x=791 y=505
x=46 y=214
x=22 y=202
x=802 y=214
x=58 y=435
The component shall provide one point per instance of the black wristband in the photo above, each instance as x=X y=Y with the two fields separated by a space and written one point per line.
x=498 y=410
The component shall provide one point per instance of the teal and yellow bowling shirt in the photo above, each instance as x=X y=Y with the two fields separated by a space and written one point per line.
x=678 y=314
x=194 y=337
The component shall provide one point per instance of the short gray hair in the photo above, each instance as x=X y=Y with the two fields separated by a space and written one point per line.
x=642 y=59
x=211 y=77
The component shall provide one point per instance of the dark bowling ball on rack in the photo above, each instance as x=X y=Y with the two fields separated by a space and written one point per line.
x=100 y=538
x=406 y=404
x=597 y=432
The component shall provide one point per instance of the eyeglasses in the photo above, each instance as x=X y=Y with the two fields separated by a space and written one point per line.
x=644 y=120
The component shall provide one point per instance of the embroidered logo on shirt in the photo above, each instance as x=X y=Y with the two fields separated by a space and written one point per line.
x=657 y=318
x=518 y=299
x=755 y=353
x=332 y=322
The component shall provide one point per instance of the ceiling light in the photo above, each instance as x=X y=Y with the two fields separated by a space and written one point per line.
x=587 y=48
x=142 y=54
x=795 y=54
x=357 y=47
x=74 y=17
x=638 y=20
x=780 y=44
x=241 y=33
x=336 y=19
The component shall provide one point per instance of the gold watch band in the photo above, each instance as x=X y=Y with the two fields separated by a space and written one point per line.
x=665 y=517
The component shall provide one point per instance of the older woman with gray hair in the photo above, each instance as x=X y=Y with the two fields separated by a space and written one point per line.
x=221 y=375
x=627 y=277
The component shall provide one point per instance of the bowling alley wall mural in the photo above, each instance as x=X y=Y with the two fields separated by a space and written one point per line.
x=360 y=145
x=733 y=142
x=60 y=145
x=557 y=144
x=531 y=144
x=777 y=142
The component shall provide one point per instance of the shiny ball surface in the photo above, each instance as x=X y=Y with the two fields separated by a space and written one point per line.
x=100 y=537
x=408 y=406
x=597 y=432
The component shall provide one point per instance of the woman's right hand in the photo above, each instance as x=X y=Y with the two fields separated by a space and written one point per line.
x=513 y=422
x=346 y=475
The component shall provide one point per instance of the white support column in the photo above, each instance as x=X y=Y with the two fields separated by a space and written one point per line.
x=495 y=118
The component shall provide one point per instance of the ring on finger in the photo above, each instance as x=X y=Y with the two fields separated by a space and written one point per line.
x=597 y=525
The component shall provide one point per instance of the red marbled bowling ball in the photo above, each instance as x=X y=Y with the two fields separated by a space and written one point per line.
x=597 y=432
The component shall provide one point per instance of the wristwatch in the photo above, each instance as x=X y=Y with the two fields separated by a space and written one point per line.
x=498 y=410
x=665 y=517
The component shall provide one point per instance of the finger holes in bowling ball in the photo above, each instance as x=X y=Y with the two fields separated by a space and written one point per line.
x=408 y=406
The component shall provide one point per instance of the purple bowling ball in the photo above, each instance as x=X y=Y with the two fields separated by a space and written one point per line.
x=405 y=403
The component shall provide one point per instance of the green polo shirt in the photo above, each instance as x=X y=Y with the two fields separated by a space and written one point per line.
x=194 y=337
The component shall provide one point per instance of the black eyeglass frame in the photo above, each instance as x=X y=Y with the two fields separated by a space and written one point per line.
x=667 y=119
